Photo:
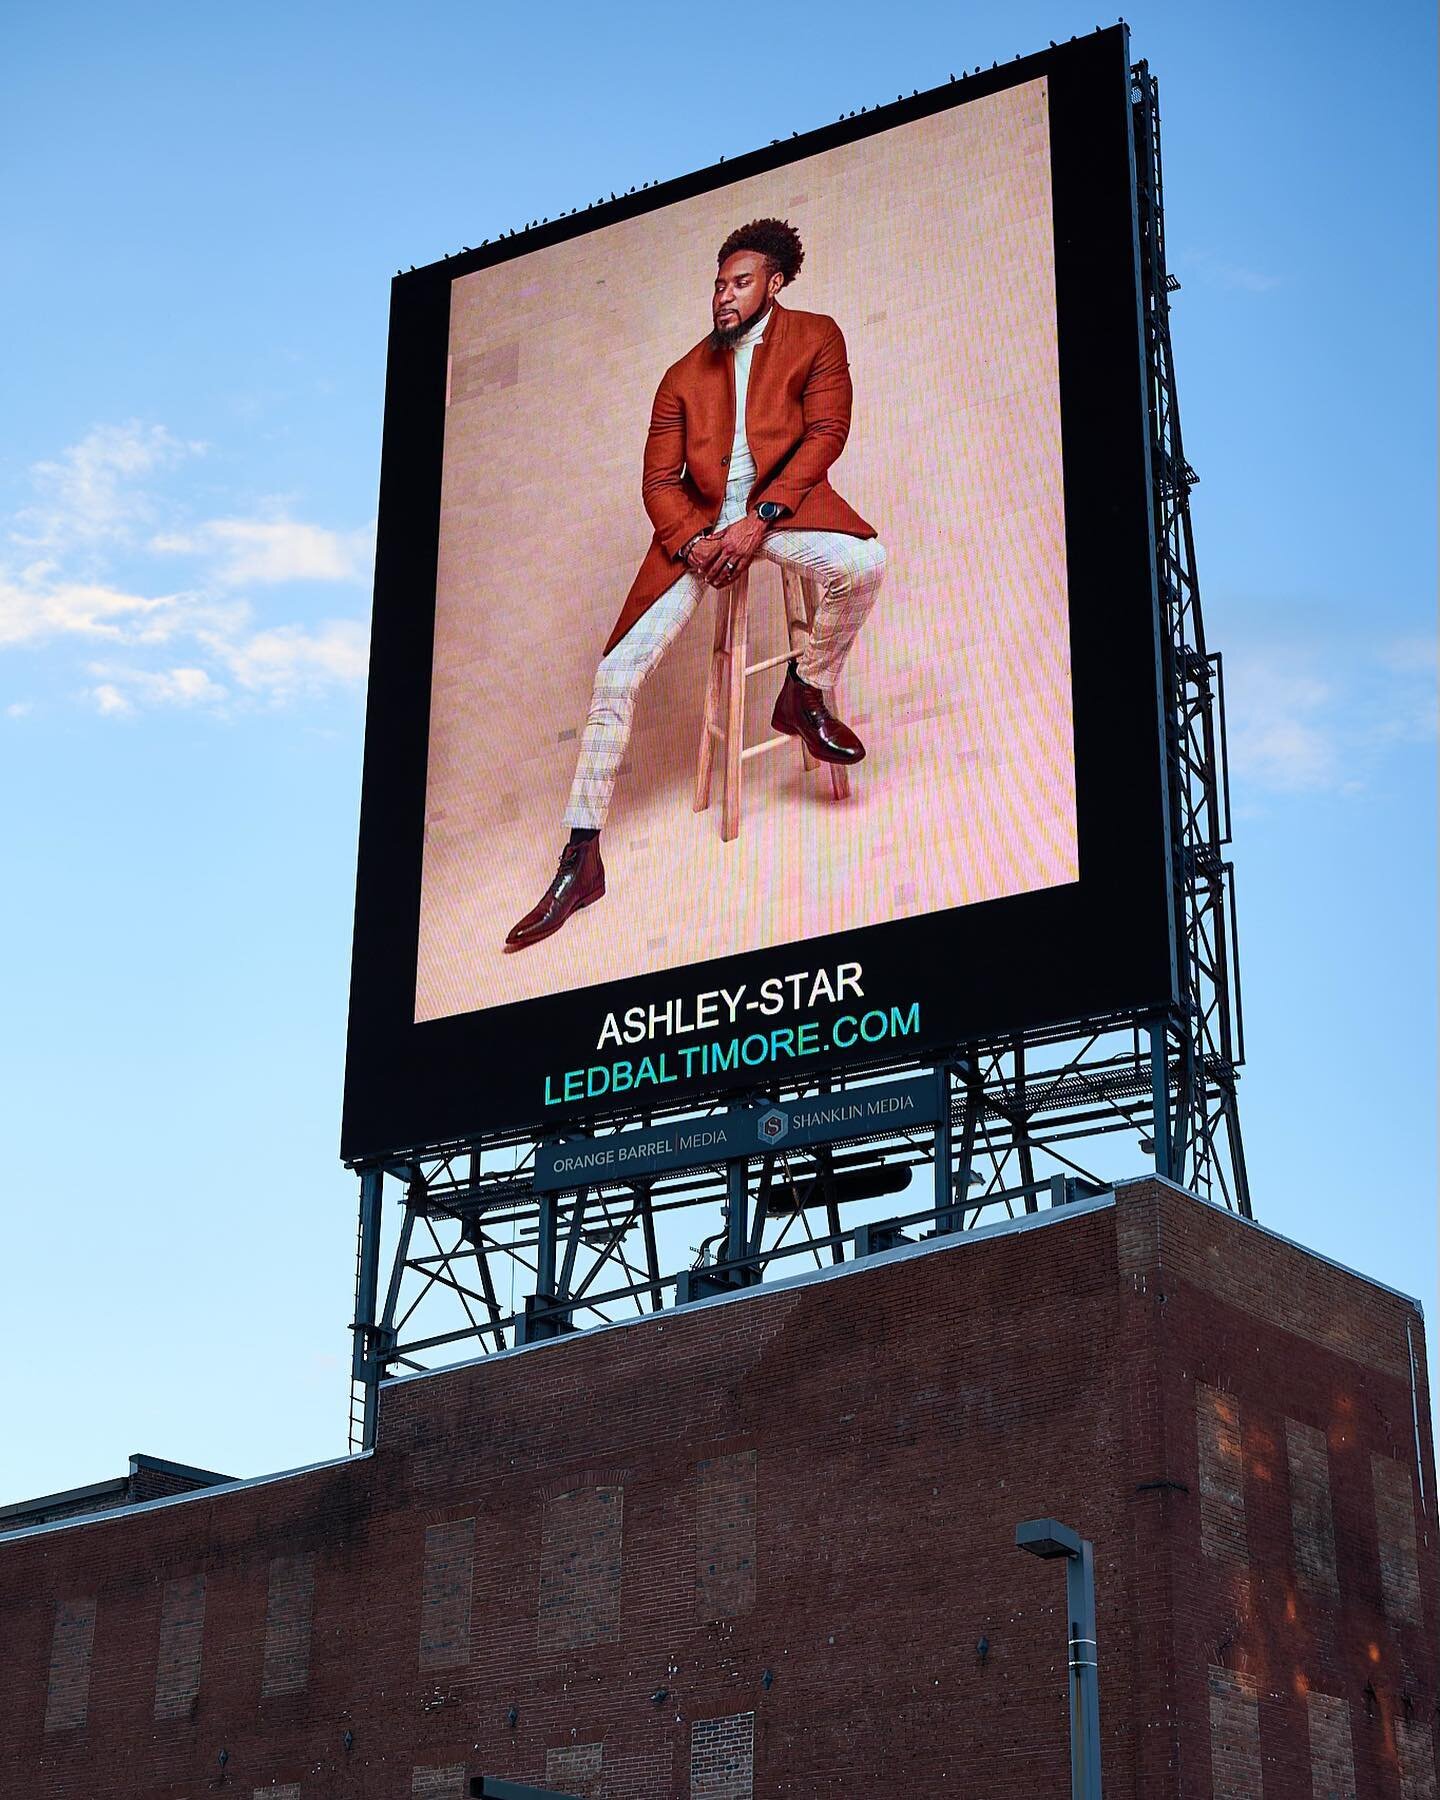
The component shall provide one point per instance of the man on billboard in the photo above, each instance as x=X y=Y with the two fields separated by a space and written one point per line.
x=720 y=496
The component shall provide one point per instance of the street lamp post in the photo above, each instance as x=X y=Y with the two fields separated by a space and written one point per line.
x=1048 y=1538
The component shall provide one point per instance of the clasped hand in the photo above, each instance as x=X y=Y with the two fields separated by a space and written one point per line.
x=723 y=559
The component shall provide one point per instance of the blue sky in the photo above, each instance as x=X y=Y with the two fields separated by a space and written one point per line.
x=202 y=215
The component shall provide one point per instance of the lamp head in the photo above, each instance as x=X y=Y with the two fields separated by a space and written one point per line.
x=1047 y=1538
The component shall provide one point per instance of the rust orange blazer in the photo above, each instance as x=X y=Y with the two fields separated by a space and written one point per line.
x=797 y=417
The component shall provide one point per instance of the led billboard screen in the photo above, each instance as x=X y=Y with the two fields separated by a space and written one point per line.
x=865 y=416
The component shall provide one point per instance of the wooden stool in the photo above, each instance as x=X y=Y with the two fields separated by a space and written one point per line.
x=724 y=720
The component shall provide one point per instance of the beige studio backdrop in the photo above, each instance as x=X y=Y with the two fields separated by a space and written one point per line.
x=931 y=246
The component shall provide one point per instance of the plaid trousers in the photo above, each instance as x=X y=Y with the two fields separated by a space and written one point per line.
x=848 y=571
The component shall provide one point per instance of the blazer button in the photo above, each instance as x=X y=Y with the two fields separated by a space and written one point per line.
x=724 y=461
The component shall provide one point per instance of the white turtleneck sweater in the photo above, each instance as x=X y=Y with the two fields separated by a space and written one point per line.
x=741 y=477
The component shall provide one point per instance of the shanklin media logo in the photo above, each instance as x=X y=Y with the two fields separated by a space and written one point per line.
x=772 y=1125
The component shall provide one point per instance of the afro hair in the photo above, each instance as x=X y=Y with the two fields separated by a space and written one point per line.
x=776 y=240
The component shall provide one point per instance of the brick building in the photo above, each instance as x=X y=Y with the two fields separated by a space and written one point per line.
x=147 y=1478
x=751 y=1547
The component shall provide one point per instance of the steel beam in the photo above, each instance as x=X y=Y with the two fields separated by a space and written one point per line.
x=363 y=1368
x=737 y=1201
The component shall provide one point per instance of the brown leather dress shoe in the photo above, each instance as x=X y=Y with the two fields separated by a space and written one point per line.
x=800 y=711
x=579 y=881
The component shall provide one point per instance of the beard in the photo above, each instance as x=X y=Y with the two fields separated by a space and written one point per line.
x=725 y=337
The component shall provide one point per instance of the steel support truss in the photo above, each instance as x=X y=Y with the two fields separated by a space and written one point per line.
x=473 y=1260
x=1206 y=1036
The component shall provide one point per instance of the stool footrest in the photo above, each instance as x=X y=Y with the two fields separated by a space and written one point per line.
x=777 y=742
x=770 y=662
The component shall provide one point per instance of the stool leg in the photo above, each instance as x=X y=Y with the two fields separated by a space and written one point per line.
x=735 y=707
x=714 y=699
x=797 y=632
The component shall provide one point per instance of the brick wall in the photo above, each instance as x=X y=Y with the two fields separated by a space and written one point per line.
x=1235 y=1770
x=67 y=1695
x=1221 y=1468
x=1312 y=1518
x=288 y=1608
x=445 y=1594
x=725 y=1536
x=1415 y=1743
x=581 y=1541
x=575 y=1768
x=1332 y=1757
x=445 y=1783
x=177 y=1662
x=751 y=1549
x=147 y=1482
x=722 y=1758
x=1395 y=1531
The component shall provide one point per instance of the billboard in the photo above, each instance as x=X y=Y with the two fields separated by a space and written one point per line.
x=765 y=663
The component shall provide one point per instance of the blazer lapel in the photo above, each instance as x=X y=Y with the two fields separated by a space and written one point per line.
x=760 y=363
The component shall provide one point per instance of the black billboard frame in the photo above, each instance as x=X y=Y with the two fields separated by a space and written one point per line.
x=1101 y=947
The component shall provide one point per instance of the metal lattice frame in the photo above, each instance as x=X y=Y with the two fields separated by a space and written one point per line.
x=478 y=1261
x=1207 y=1038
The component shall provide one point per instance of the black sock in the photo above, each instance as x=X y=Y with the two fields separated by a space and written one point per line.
x=582 y=834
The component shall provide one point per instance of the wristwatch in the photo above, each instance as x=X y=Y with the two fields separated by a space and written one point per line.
x=769 y=511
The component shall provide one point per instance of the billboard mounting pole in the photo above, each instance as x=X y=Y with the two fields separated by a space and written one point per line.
x=1160 y=1097
x=737 y=1207
x=944 y=1173
x=1022 y=1125
x=364 y=1372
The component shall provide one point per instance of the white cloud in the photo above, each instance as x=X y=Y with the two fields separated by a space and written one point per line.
x=289 y=659
x=41 y=604
x=92 y=575
x=1281 y=735
x=19 y=709
x=125 y=688
x=1219 y=271
x=91 y=491
x=265 y=552
x=110 y=701
x=1317 y=716
x=1415 y=654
